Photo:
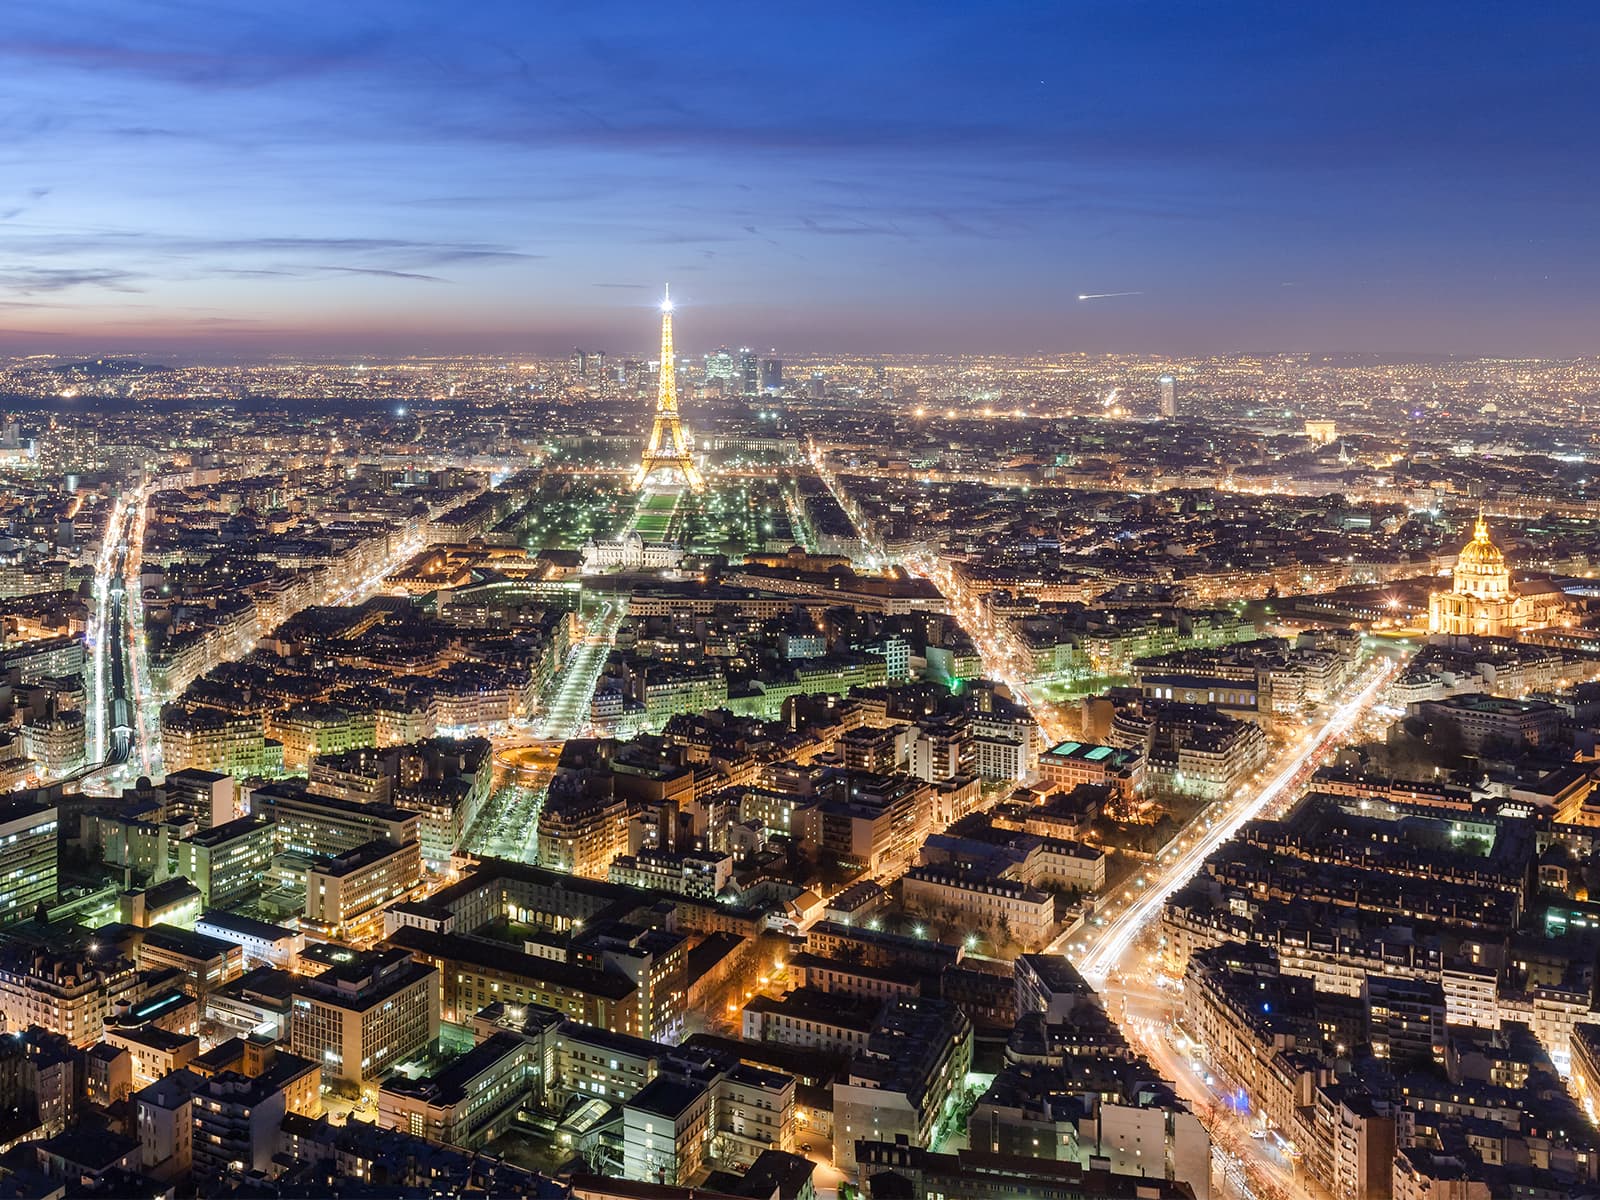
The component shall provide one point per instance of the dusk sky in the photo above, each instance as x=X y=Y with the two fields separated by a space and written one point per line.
x=344 y=176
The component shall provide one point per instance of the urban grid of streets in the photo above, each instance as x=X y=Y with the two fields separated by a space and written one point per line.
x=1112 y=957
x=508 y=826
x=124 y=731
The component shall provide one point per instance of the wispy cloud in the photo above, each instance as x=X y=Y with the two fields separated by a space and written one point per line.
x=838 y=228
x=33 y=280
x=381 y=272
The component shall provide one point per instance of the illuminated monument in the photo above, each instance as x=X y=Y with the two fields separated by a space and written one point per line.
x=668 y=450
x=1483 y=601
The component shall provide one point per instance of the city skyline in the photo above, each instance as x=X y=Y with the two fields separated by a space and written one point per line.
x=366 y=180
x=604 y=601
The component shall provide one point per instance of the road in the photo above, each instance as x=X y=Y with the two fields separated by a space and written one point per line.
x=509 y=824
x=1002 y=662
x=1110 y=944
x=366 y=588
x=144 y=715
x=116 y=740
x=566 y=712
x=101 y=638
x=1248 y=1167
x=1111 y=959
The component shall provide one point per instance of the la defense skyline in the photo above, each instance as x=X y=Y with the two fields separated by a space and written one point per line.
x=637 y=602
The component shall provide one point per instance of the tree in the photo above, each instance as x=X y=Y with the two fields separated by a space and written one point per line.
x=595 y=1155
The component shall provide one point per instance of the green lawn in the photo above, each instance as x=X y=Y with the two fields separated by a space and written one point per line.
x=653 y=518
x=1065 y=691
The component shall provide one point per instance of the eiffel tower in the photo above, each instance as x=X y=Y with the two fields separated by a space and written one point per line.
x=667 y=449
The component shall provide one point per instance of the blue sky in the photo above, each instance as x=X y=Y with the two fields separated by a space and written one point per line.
x=249 y=178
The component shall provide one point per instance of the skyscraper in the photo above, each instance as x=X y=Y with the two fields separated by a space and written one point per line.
x=749 y=372
x=772 y=374
x=719 y=365
x=1169 y=397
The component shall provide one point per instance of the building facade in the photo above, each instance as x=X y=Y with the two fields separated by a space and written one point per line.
x=1483 y=601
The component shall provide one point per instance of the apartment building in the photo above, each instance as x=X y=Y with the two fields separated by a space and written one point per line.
x=214 y=740
x=348 y=887
x=27 y=859
x=237 y=1113
x=228 y=861
x=470 y=1102
x=1005 y=908
x=205 y=799
x=697 y=873
x=69 y=994
x=306 y=823
x=309 y=731
x=475 y=973
x=365 y=1014
x=915 y=1059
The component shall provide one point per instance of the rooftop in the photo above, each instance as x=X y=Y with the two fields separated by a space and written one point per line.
x=366 y=979
x=217 y=918
x=449 y=1086
x=1089 y=752
x=228 y=830
x=507 y=960
x=665 y=1097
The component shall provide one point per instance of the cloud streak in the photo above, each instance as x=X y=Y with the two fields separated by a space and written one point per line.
x=29 y=281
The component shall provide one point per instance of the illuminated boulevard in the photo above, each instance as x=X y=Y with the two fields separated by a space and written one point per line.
x=508 y=826
x=1116 y=964
x=123 y=737
x=1251 y=1163
x=117 y=737
x=1110 y=946
x=567 y=711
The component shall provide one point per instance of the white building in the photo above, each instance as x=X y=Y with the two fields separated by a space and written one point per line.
x=264 y=944
x=631 y=553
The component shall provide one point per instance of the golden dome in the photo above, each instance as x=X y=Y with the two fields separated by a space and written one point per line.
x=1480 y=552
x=1481 y=569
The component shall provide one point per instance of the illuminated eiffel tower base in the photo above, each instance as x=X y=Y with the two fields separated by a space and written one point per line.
x=667 y=452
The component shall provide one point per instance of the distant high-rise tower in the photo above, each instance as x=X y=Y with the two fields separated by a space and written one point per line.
x=772 y=374
x=667 y=449
x=749 y=372
x=719 y=365
x=1169 y=397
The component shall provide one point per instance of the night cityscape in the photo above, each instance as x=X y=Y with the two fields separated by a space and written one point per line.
x=968 y=602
